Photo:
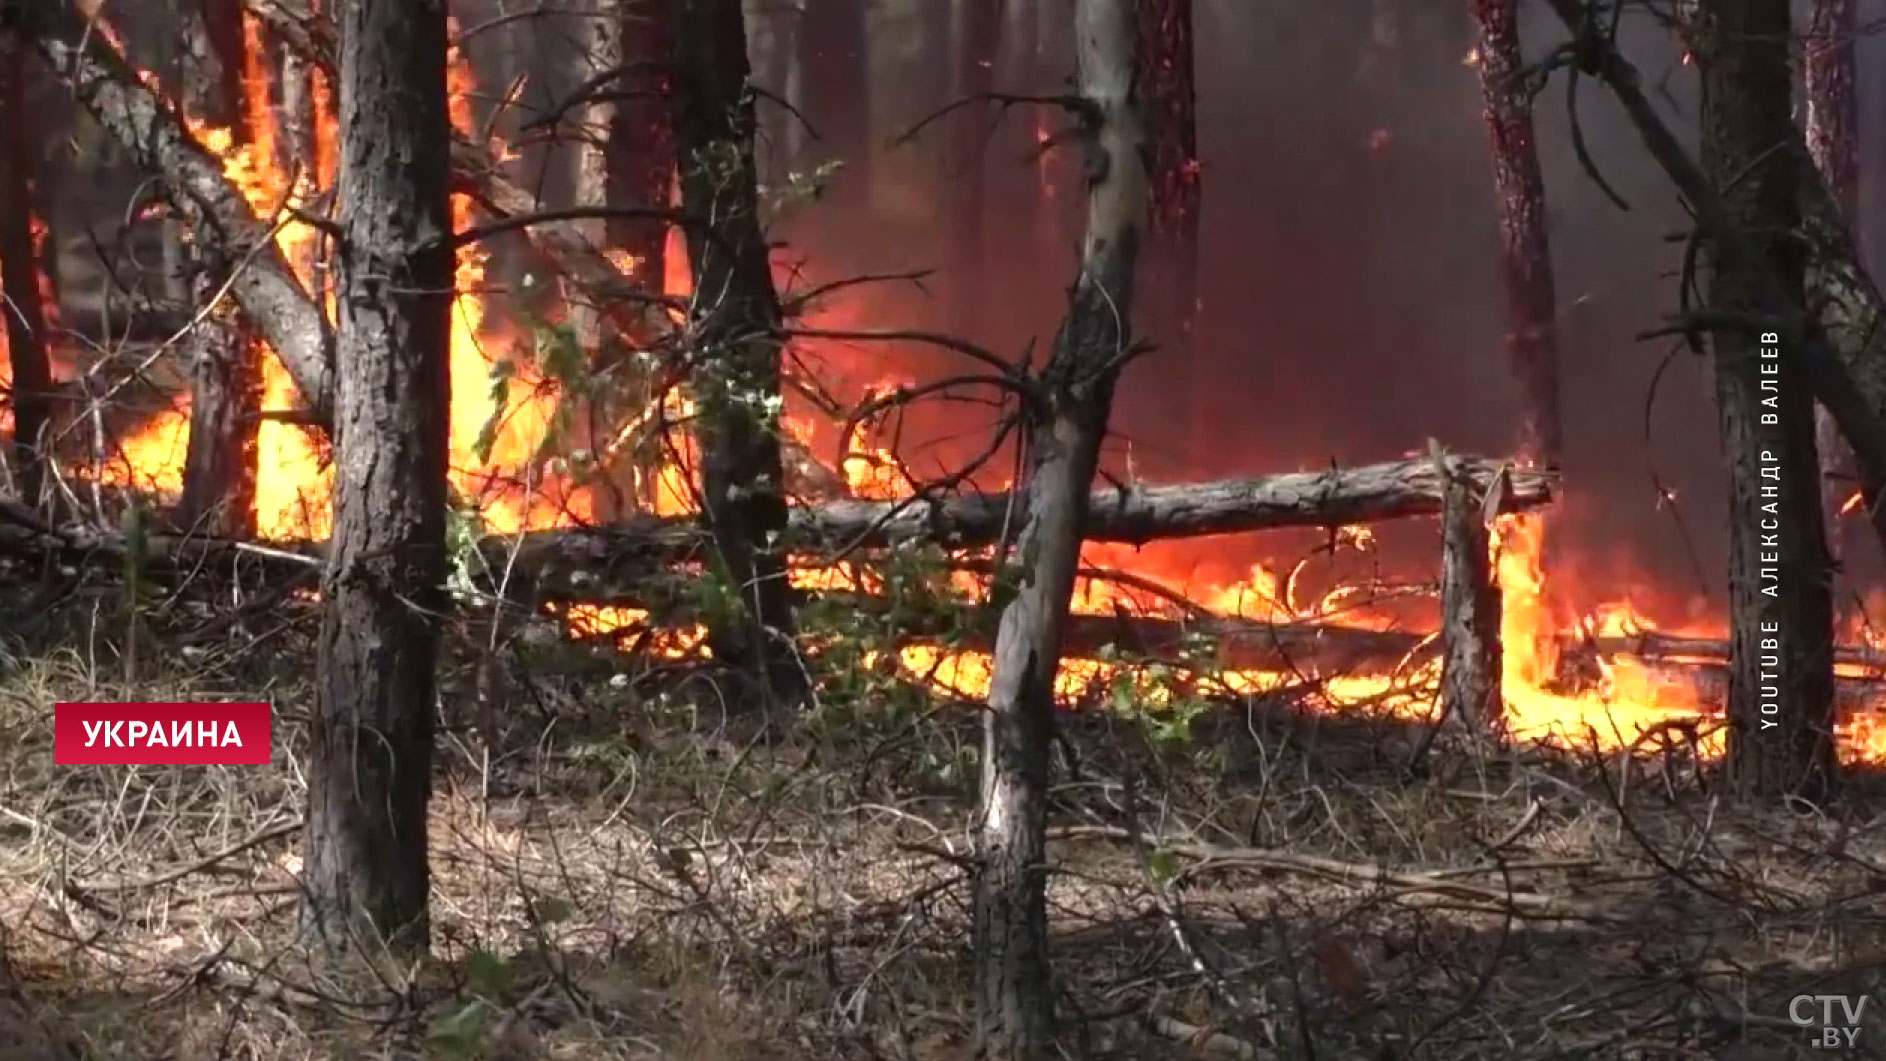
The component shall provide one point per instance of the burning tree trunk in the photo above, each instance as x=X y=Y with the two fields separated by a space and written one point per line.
x=1015 y=1003
x=734 y=319
x=370 y=777
x=1833 y=122
x=641 y=146
x=834 y=67
x=220 y=463
x=626 y=161
x=299 y=145
x=1170 y=269
x=142 y=123
x=1781 y=625
x=219 y=471
x=1525 y=253
x=19 y=275
x=1470 y=601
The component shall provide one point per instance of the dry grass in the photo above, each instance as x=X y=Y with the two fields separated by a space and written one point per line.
x=617 y=878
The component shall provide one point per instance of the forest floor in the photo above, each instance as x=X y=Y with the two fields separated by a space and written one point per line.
x=618 y=874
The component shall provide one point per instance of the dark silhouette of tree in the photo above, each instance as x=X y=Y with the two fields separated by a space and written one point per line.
x=1833 y=139
x=1525 y=248
x=1781 y=623
x=31 y=385
x=219 y=471
x=735 y=344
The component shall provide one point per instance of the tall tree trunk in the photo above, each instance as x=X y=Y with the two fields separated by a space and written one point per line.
x=1525 y=252
x=641 y=144
x=976 y=38
x=1833 y=134
x=1781 y=625
x=219 y=471
x=599 y=52
x=625 y=160
x=367 y=875
x=835 y=93
x=1015 y=1001
x=19 y=275
x=734 y=319
x=1170 y=273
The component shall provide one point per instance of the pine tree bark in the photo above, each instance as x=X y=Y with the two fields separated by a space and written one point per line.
x=19 y=276
x=734 y=322
x=366 y=866
x=599 y=53
x=1781 y=624
x=835 y=93
x=1014 y=996
x=1833 y=133
x=1170 y=270
x=1525 y=251
x=219 y=471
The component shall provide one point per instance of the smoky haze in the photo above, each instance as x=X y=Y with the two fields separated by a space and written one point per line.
x=1351 y=301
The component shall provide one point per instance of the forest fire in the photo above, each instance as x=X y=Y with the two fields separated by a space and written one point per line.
x=504 y=416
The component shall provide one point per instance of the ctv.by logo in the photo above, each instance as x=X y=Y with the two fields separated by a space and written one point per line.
x=1832 y=1021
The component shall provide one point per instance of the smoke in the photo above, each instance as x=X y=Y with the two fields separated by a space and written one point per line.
x=1351 y=303
x=1352 y=306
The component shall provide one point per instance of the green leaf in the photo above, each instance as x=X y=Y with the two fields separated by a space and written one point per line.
x=489 y=975
x=1161 y=866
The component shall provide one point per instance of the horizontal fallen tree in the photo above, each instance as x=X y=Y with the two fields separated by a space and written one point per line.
x=617 y=564
x=588 y=564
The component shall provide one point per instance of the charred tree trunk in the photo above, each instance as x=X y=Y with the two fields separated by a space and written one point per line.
x=370 y=777
x=1781 y=625
x=219 y=471
x=1170 y=270
x=835 y=93
x=735 y=322
x=1525 y=252
x=976 y=36
x=1014 y=997
x=1833 y=133
x=19 y=276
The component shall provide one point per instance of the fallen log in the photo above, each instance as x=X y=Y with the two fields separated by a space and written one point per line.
x=575 y=564
x=615 y=564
